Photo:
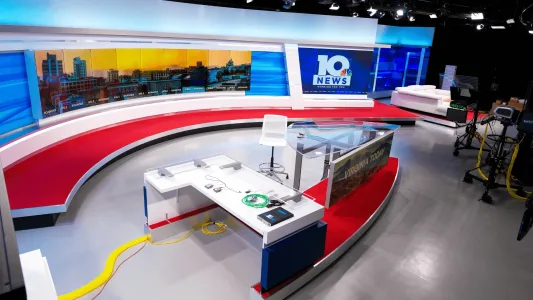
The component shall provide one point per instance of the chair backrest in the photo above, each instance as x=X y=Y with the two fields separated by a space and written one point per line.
x=274 y=126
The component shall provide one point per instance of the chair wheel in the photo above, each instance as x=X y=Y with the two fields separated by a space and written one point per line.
x=456 y=153
x=287 y=177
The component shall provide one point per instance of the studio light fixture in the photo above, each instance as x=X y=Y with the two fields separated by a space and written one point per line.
x=477 y=16
x=355 y=14
x=380 y=14
x=497 y=27
x=334 y=6
x=433 y=16
x=287 y=4
x=398 y=14
x=395 y=16
x=531 y=32
x=510 y=21
x=444 y=10
x=249 y=1
x=371 y=11
x=480 y=26
x=412 y=18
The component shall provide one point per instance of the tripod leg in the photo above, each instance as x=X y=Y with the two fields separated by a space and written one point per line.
x=472 y=130
x=496 y=163
x=486 y=198
x=459 y=141
x=468 y=178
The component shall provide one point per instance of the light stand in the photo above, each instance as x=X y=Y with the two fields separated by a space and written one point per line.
x=469 y=135
x=527 y=219
x=497 y=165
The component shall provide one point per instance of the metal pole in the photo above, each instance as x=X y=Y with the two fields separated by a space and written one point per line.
x=298 y=166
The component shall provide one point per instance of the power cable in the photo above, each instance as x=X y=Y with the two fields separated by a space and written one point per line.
x=522 y=15
x=109 y=269
x=213 y=178
x=116 y=270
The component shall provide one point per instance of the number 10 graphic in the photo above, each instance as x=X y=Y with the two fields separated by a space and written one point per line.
x=326 y=66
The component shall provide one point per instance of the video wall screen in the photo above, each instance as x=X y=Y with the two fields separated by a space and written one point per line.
x=334 y=71
x=399 y=66
x=73 y=79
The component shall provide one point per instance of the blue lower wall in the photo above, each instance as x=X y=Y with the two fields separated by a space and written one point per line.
x=15 y=105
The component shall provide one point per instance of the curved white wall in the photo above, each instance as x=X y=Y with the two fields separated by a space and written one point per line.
x=192 y=19
x=58 y=132
x=53 y=134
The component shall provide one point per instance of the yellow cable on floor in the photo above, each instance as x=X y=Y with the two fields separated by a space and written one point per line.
x=104 y=276
x=110 y=263
x=508 y=177
x=480 y=154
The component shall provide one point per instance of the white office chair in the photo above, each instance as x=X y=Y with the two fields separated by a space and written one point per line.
x=274 y=134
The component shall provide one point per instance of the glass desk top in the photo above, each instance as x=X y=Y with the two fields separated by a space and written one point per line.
x=321 y=138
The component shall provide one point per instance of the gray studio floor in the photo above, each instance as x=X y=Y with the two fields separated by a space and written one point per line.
x=433 y=241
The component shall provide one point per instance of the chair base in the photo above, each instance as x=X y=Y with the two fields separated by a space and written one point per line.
x=272 y=169
x=274 y=174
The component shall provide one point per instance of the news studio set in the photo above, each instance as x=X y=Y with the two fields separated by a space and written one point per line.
x=254 y=149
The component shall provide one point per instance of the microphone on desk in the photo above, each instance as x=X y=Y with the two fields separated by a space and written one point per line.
x=235 y=165
x=199 y=163
x=164 y=172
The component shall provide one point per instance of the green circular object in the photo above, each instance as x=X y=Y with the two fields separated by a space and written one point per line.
x=256 y=200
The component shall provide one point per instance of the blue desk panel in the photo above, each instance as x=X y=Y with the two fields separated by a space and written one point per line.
x=293 y=254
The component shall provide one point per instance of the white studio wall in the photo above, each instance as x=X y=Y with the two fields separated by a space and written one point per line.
x=188 y=19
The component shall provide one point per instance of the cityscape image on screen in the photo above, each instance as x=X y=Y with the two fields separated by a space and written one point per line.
x=224 y=74
x=74 y=79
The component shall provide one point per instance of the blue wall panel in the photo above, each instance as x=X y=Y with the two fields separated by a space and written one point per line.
x=399 y=66
x=405 y=36
x=15 y=105
x=269 y=74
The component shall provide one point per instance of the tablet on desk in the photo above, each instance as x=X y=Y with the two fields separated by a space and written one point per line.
x=275 y=216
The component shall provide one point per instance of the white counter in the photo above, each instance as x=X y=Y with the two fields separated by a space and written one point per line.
x=163 y=201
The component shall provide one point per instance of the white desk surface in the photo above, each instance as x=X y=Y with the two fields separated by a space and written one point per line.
x=186 y=174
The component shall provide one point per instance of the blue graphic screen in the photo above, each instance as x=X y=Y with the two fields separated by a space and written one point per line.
x=332 y=71
x=269 y=74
